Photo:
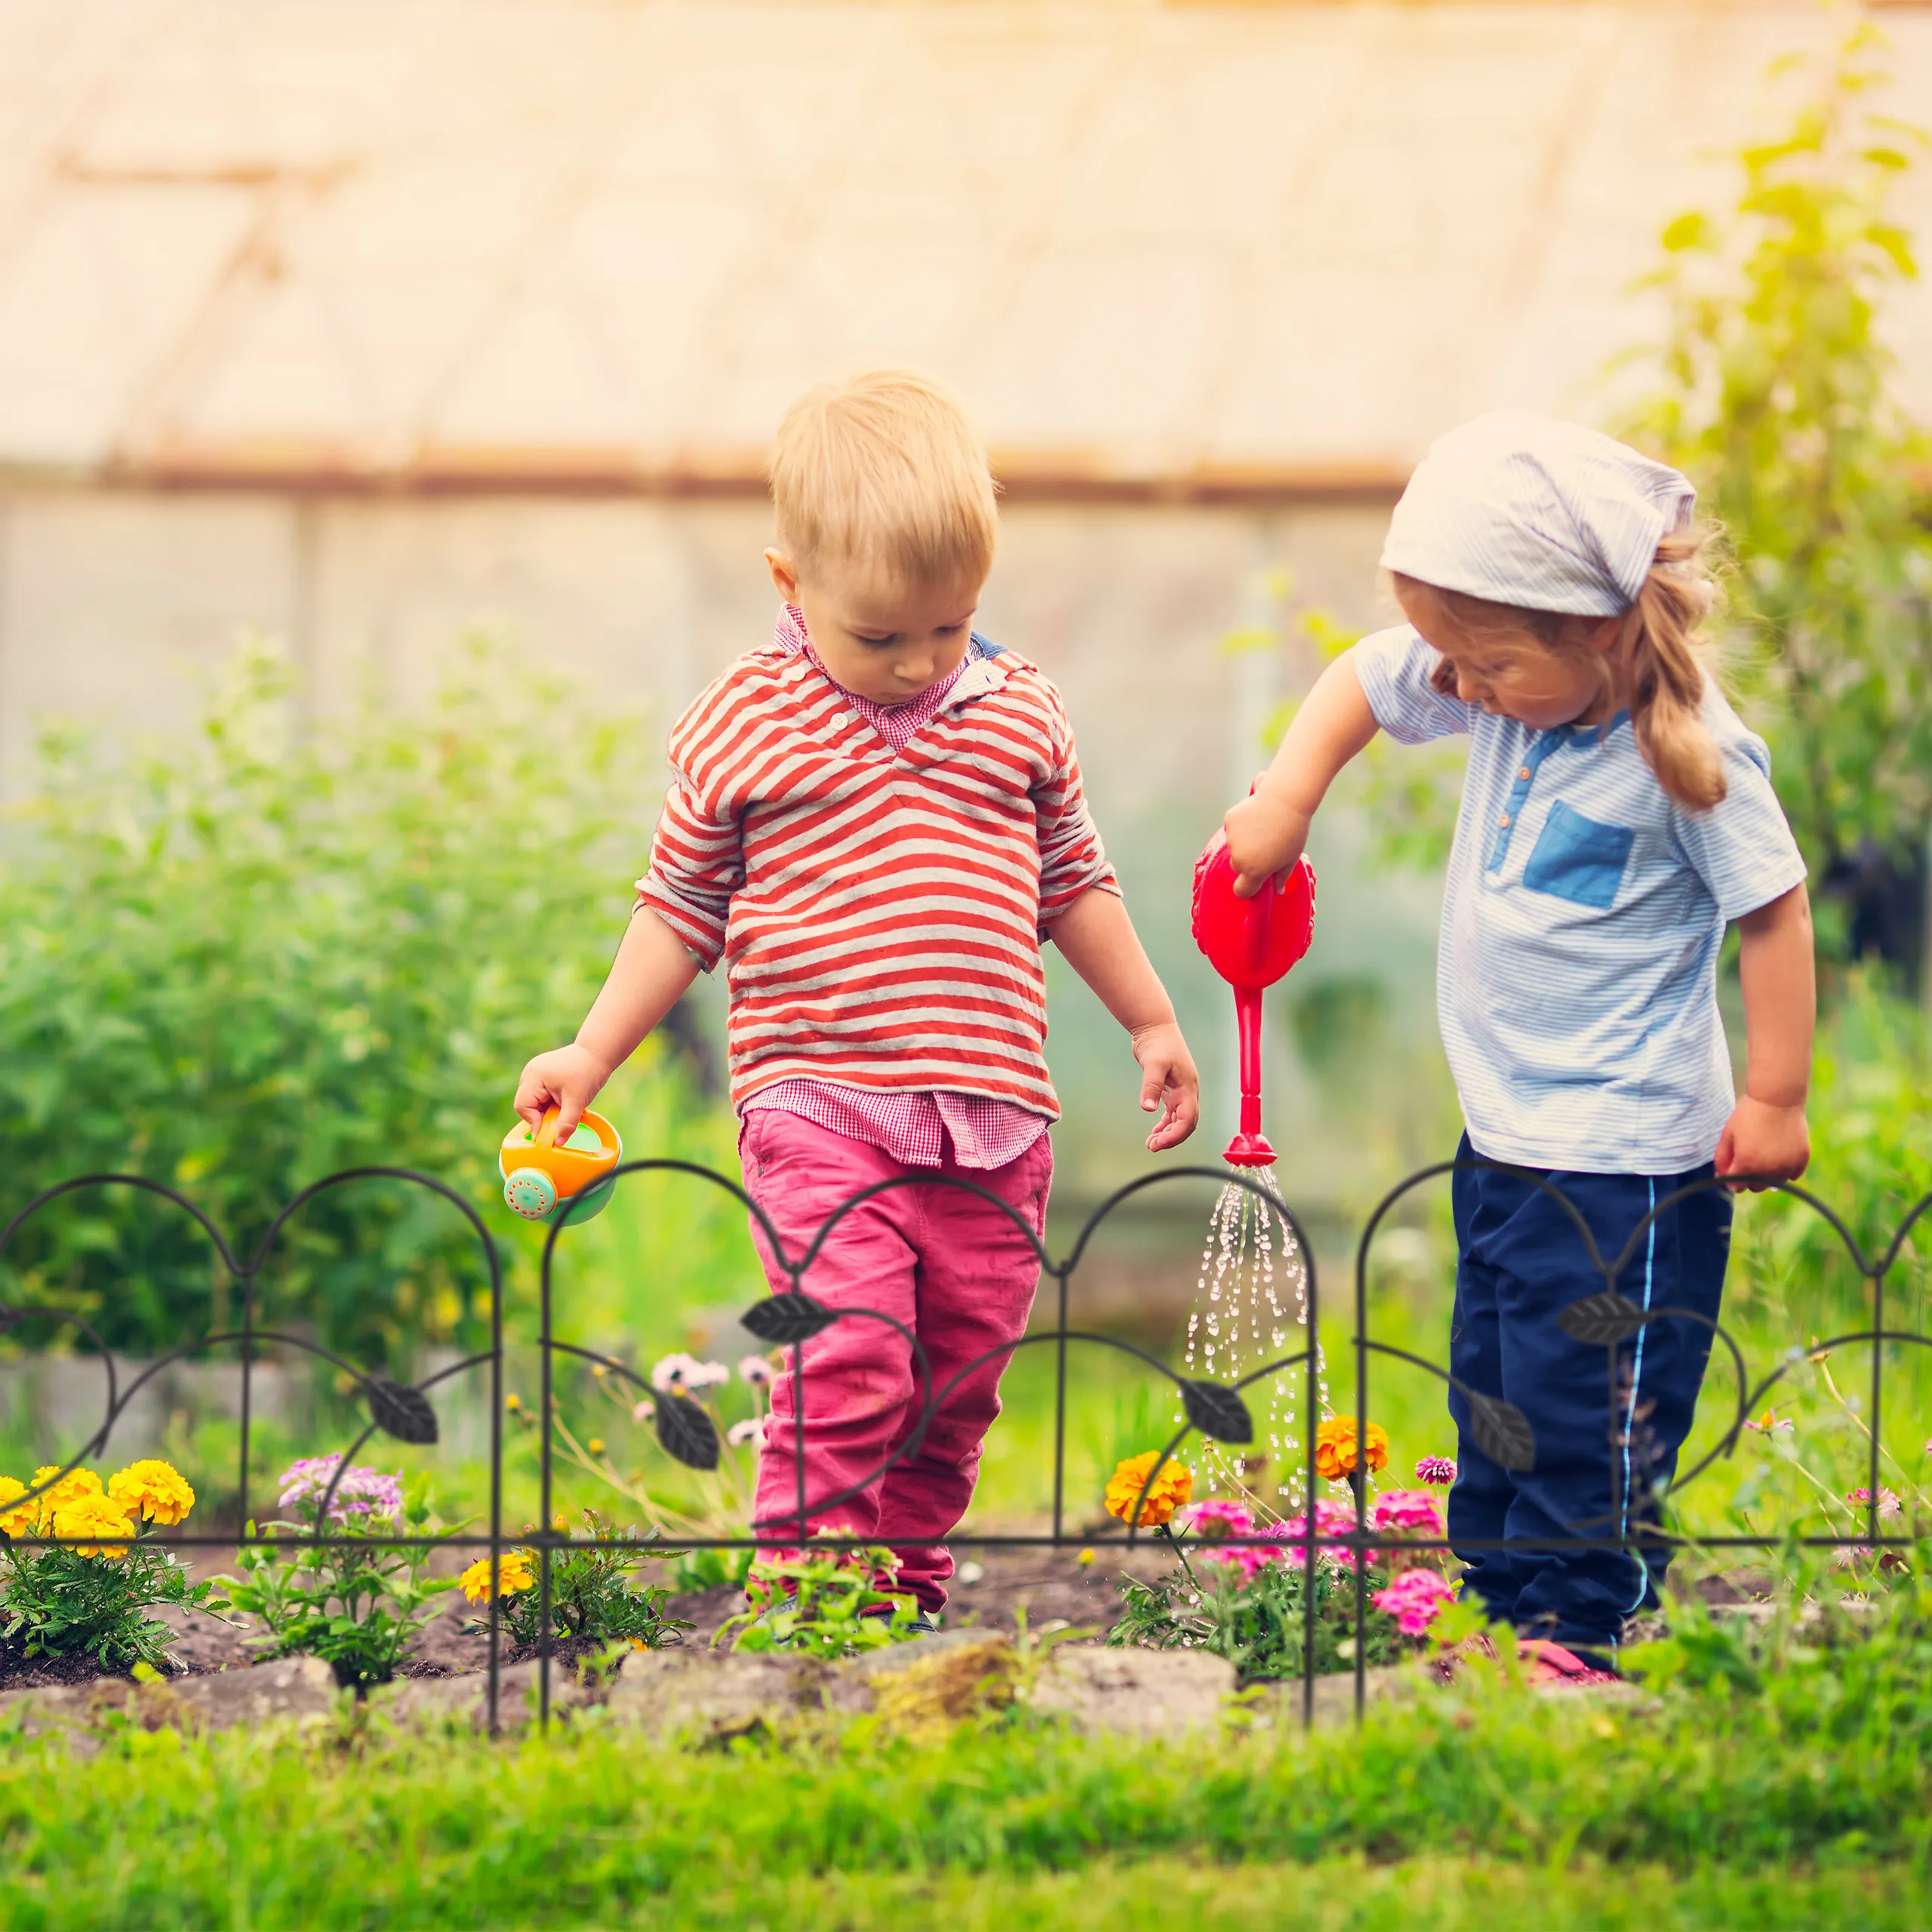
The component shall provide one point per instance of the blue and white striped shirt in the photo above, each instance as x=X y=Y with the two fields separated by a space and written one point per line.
x=1577 y=977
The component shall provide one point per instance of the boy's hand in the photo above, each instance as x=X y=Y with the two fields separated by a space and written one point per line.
x=1167 y=1074
x=1769 y=1143
x=567 y=1078
x=1265 y=835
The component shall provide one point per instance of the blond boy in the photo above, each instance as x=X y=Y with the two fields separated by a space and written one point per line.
x=875 y=821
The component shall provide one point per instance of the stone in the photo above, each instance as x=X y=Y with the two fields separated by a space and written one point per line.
x=1135 y=1693
x=1279 y=1706
x=301 y=1689
x=713 y=1695
x=463 y=1701
x=921 y=1688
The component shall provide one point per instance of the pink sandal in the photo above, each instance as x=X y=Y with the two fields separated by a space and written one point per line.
x=1551 y=1663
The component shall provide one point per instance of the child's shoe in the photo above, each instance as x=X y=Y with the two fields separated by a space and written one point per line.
x=1550 y=1663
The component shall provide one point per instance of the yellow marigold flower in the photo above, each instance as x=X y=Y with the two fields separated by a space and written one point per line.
x=75 y=1484
x=1335 y=1447
x=93 y=1514
x=152 y=1489
x=512 y=1575
x=1168 y=1491
x=18 y=1522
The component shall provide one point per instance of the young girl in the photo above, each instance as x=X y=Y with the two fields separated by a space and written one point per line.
x=875 y=821
x=1616 y=815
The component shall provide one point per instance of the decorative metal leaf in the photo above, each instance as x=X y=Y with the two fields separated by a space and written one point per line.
x=687 y=1432
x=1217 y=1411
x=783 y=1320
x=1605 y=1319
x=1502 y=1432
x=401 y=1411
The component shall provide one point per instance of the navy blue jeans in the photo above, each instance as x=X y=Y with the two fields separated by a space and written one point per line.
x=1608 y=1423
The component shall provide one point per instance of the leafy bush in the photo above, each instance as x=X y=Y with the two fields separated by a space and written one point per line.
x=240 y=964
x=1776 y=397
x=1872 y=1128
x=91 y=1598
x=826 y=1605
x=356 y=1604
x=592 y=1593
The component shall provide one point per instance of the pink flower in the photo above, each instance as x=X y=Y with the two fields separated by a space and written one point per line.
x=1331 y=1519
x=1436 y=1469
x=751 y=1429
x=1407 y=1509
x=1889 y=1506
x=1213 y=1520
x=1415 y=1599
x=756 y=1371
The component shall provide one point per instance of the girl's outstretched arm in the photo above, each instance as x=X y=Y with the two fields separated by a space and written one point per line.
x=1766 y=1135
x=1267 y=830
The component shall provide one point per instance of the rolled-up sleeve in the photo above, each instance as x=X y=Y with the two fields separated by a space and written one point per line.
x=697 y=861
x=1396 y=668
x=1072 y=859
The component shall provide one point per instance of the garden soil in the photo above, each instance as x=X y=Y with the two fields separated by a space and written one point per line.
x=1053 y=1587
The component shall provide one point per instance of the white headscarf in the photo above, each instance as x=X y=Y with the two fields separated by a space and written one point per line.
x=1546 y=515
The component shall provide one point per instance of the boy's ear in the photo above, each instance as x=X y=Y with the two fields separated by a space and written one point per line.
x=783 y=574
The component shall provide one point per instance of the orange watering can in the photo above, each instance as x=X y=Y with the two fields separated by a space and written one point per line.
x=542 y=1177
x=1251 y=943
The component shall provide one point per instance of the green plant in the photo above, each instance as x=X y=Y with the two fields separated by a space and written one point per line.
x=1776 y=399
x=1870 y=1112
x=92 y=1599
x=1258 y=1621
x=354 y=1602
x=825 y=1605
x=239 y=963
x=592 y=1593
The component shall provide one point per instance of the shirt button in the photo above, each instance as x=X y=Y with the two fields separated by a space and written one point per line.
x=1504 y=821
x=1525 y=773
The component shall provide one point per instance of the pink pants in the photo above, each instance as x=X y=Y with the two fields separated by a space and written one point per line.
x=954 y=1268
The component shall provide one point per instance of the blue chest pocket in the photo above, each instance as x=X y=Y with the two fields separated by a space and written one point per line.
x=1579 y=859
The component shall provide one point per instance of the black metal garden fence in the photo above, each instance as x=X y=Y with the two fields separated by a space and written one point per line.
x=1217 y=1411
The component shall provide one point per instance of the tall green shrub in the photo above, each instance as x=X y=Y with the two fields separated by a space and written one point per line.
x=248 y=960
x=1777 y=398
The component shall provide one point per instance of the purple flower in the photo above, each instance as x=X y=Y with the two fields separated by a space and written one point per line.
x=362 y=1493
x=1436 y=1469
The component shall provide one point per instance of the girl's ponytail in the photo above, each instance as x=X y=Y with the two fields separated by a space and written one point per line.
x=1664 y=664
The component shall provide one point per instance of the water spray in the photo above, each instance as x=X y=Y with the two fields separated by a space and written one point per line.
x=1241 y=1317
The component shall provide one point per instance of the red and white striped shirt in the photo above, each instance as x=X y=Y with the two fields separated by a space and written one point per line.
x=878 y=908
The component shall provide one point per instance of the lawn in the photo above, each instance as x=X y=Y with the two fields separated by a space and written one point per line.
x=1763 y=1782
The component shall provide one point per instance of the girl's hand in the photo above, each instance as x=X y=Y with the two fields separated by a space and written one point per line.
x=1265 y=835
x=1167 y=1074
x=1769 y=1143
x=567 y=1078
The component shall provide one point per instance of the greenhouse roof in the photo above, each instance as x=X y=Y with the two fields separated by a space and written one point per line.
x=583 y=245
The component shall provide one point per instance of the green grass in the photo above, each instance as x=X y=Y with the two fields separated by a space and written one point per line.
x=1766 y=1785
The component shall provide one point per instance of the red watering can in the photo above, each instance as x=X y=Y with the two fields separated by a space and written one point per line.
x=1250 y=943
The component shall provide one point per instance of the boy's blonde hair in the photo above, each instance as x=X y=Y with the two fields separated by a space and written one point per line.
x=1662 y=658
x=885 y=471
